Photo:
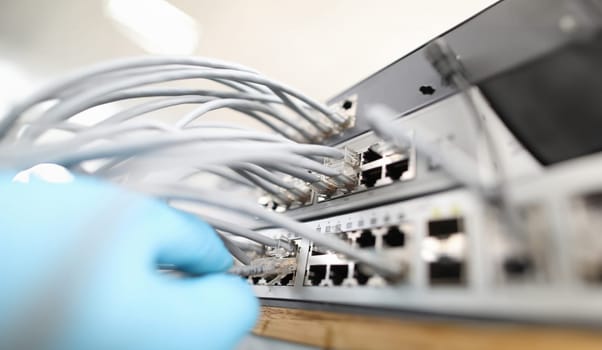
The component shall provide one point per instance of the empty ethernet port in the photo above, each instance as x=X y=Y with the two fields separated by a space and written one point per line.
x=446 y=270
x=371 y=176
x=366 y=239
x=316 y=274
x=394 y=237
x=360 y=276
x=518 y=266
x=444 y=228
x=396 y=170
x=445 y=248
x=370 y=155
x=338 y=273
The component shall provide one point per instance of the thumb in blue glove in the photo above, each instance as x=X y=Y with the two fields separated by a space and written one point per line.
x=80 y=271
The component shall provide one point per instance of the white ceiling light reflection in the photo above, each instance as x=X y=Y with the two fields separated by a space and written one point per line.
x=47 y=172
x=453 y=246
x=155 y=25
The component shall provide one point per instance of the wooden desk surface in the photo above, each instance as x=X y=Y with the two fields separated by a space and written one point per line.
x=344 y=331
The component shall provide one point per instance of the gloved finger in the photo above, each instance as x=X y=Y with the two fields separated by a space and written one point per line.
x=187 y=243
x=218 y=307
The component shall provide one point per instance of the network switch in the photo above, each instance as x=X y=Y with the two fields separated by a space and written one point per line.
x=387 y=174
x=529 y=250
x=458 y=260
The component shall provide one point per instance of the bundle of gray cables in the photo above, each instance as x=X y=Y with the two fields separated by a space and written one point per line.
x=159 y=158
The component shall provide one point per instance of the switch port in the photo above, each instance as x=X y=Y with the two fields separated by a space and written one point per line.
x=396 y=170
x=371 y=176
x=394 y=237
x=366 y=239
x=361 y=277
x=446 y=270
x=338 y=273
x=316 y=274
x=442 y=229
x=370 y=155
x=286 y=280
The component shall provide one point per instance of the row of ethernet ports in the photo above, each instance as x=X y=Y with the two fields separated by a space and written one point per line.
x=382 y=166
x=382 y=237
x=443 y=269
x=392 y=238
x=392 y=171
x=450 y=270
x=349 y=275
x=443 y=272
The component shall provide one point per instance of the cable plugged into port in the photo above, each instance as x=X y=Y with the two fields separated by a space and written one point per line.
x=347 y=109
x=377 y=165
x=348 y=168
x=382 y=164
x=271 y=270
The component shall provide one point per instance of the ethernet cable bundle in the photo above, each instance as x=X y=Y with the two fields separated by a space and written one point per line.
x=159 y=158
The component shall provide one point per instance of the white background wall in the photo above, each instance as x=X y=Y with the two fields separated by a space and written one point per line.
x=317 y=46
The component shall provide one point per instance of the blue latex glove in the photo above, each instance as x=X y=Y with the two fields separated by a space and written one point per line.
x=79 y=271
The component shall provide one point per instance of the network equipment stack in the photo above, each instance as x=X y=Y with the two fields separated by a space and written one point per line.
x=489 y=197
x=461 y=180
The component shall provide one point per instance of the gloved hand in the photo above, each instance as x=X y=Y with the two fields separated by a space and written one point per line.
x=79 y=271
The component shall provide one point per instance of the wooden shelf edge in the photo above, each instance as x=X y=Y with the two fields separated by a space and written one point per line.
x=346 y=331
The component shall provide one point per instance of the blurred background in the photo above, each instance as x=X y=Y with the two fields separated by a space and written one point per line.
x=319 y=47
